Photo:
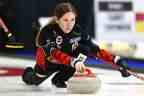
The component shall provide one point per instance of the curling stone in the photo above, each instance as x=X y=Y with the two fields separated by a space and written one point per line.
x=84 y=83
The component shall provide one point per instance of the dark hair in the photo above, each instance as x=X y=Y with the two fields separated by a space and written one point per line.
x=63 y=8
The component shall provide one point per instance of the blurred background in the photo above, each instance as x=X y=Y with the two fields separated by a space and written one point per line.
x=115 y=25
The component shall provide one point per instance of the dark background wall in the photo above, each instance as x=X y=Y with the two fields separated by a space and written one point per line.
x=26 y=12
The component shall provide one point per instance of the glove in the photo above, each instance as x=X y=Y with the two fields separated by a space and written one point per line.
x=123 y=66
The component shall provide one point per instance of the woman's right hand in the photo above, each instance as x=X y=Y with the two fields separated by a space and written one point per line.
x=80 y=67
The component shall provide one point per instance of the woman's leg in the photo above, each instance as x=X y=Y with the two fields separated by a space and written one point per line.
x=65 y=72
x=36 y=75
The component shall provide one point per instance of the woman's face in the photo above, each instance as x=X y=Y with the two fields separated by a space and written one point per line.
x=67 y=22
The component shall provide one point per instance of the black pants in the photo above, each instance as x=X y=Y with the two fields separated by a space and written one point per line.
x=64 y=72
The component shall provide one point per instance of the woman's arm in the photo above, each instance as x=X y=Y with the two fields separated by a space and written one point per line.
x=44 y=40
x=104 y=54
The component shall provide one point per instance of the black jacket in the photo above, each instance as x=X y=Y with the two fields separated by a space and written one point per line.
x=73 y=43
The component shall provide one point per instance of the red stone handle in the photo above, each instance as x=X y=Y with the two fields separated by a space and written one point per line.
x=87 y=73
